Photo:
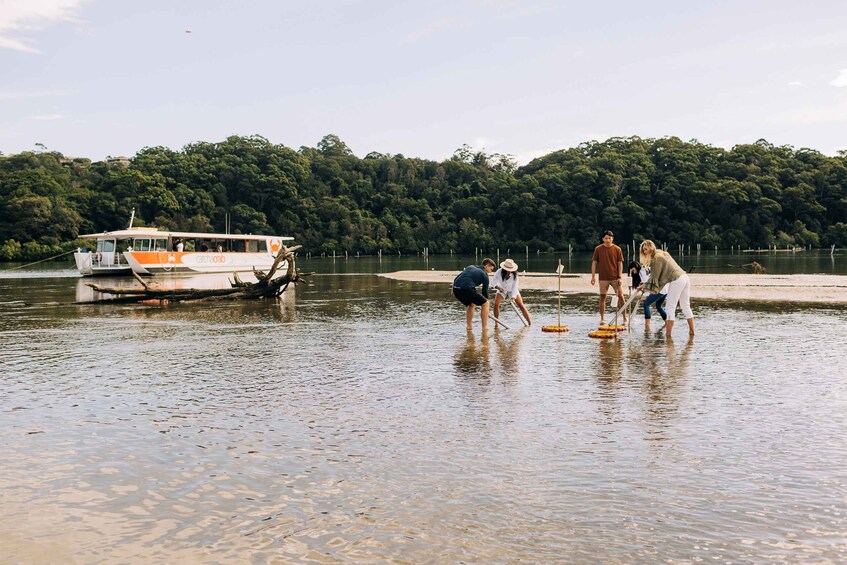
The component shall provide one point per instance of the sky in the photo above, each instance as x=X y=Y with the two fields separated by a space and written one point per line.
x=98 y=78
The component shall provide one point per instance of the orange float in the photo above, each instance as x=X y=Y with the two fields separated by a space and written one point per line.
x=603 y=334
x=559 y=329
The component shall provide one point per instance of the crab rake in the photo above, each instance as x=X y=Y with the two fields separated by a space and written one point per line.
x=493 y=317
x=626 y=304
x=490 y=315
x=514 y=307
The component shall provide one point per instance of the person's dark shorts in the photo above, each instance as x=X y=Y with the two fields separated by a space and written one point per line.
x=468 y=296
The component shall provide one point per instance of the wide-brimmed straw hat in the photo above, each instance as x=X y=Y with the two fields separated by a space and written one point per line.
x=509 y=265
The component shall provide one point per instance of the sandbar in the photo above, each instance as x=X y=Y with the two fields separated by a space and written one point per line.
x=822 y=289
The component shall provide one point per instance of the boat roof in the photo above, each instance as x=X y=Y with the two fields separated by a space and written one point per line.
x=155 y=232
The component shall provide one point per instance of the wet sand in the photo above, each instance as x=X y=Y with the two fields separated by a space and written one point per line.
x=828 y=289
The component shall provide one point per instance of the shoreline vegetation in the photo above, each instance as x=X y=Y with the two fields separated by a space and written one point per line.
x=674 y=192
x=808 y=289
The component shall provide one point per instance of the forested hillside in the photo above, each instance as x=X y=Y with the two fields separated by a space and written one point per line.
x=331 y=200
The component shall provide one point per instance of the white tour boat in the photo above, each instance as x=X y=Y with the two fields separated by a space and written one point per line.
x=106 y=258
x=148 y=251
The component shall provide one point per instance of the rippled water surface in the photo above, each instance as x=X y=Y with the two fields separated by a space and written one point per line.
x=357 y=421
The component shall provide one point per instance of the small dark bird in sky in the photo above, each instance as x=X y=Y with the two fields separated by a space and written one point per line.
x=188 y=31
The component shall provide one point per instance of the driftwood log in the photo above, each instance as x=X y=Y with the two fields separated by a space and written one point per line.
x=754 y=267
x=267 y=285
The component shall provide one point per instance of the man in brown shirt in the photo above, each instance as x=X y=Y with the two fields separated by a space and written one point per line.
x=608 y=263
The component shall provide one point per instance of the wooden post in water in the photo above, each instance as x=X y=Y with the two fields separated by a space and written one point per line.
x=559 y=270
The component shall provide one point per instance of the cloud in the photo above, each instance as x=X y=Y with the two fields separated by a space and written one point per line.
x=480 y=143
x=19 y=17
x=435 y=27
x=12 y=95
x=9 y=43
x=48 y=117
x=841 y=80
x=819 y=114
x=796 y=83
x=514 y=9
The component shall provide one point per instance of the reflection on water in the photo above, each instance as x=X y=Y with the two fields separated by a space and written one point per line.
x=666 y=370
x=357 y=420
x=85 y=293
x=473 y=359
x=508 y=346
x=609 y=362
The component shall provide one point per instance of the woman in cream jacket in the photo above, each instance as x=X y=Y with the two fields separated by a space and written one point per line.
x=664 y=270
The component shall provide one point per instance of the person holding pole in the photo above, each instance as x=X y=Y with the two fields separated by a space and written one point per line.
x=506 y=281
x=665 y=271
x=608 y=264
x=464 y=289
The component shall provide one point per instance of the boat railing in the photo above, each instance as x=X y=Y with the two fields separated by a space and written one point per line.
x=102 y=260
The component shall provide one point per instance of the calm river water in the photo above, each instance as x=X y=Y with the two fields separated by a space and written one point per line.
x=357 y=421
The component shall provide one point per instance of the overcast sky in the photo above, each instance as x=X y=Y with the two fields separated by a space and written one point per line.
x=93 y=78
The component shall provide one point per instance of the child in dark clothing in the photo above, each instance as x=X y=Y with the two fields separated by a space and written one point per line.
x=635 y=274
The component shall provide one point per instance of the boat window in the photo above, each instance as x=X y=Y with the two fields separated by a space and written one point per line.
x=141 y=244
x=108 y=245
x=161 y=244
x=237 y=245
x=254 y=246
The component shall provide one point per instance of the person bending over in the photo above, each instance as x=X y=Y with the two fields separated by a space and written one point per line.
x=464 y=289
x=506 y=281
x=665 y=271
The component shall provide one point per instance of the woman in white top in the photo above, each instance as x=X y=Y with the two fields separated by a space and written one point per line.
x=506 y=282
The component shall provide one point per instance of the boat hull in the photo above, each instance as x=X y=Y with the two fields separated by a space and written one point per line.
x=101 y=265
x=178 y=262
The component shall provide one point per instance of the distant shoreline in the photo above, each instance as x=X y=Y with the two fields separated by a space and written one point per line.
x=820 y=289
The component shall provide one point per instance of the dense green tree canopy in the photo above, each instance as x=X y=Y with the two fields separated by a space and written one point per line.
x=330 y=200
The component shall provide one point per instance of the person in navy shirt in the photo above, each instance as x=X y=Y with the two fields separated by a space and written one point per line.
x=464 y=289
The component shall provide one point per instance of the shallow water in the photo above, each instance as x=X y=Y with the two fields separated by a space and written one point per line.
x=356 y=420
x=780 y=262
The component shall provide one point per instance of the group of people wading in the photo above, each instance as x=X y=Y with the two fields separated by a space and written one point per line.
x=658 y=277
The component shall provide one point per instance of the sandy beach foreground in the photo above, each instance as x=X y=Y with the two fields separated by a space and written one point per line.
x=828 y=289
